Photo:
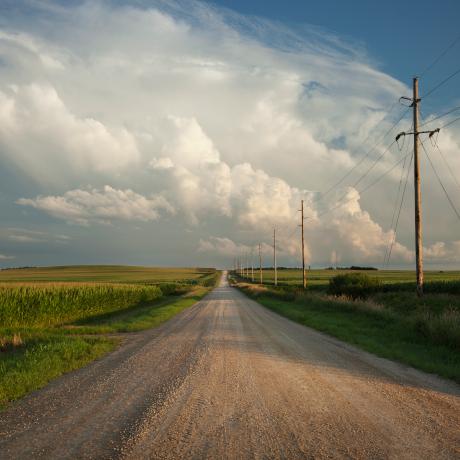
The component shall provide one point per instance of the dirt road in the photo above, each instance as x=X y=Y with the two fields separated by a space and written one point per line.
x=230 y=379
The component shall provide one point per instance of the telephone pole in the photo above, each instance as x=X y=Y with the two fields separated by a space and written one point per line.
x=252 y=264
x=418 y=194
x=260 y=266
x=274 y=257
x=304 y=281
x=415 y=102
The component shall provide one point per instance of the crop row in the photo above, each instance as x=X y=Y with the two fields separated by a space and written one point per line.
x=50 y=305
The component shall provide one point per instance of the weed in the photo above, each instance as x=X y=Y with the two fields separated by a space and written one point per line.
x=9 y=343
x=355 y=285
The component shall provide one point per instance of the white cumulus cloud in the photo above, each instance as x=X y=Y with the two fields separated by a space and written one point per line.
x=45 y=139
x=227 y=121
x=83 y=206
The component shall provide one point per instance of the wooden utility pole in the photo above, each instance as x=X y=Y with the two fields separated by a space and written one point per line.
x=260 y=266
x=252 y=264
x=274 y=257
x=304 y=281
x=415 y=102
x=418 y=194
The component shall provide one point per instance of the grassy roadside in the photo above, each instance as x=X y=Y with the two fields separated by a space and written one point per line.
x=44 y=357
x=366 y=325
x=139 y=318
x=30 y=357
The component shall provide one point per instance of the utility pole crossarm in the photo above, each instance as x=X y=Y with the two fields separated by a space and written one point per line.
x=407 y=133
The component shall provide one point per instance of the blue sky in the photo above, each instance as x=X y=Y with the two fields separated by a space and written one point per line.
x=402 y=37
x=180 y=132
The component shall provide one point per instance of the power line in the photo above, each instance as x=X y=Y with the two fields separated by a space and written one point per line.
x=447 y=165
x=292 y=232
x=440 y=116
x=383 y=175
x=397 y=194
x=432 y=90
x=450 y=123
x=430 y=66
x=363 y=176
x=440 y=182
x=396 y=202
x=393 y=241
x=323 y=194
x=435 y=143
x=363 y=190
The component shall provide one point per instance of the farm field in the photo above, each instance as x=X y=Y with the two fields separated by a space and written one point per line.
x=320 y=277
x=47 y=313
x=103 y=274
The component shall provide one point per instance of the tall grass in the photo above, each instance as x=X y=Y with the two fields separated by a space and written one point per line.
x=441 y=329
x=54 y=304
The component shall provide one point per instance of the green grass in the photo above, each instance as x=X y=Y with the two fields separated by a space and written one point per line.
x=407 y=302
x=322 y=277
x=138 y=318
x=44 y=357
x=375 y=328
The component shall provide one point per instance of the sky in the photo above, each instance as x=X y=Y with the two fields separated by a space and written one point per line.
x=181 y=133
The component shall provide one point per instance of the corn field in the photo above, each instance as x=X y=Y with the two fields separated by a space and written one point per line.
x=52 y=304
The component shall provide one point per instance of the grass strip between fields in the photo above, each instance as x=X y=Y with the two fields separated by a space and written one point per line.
x=51 y=352
x=380 y=332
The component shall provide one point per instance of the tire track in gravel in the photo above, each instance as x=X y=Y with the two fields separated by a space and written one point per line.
x=229 y=379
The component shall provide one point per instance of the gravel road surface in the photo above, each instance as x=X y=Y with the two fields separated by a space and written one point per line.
x=229 y=379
